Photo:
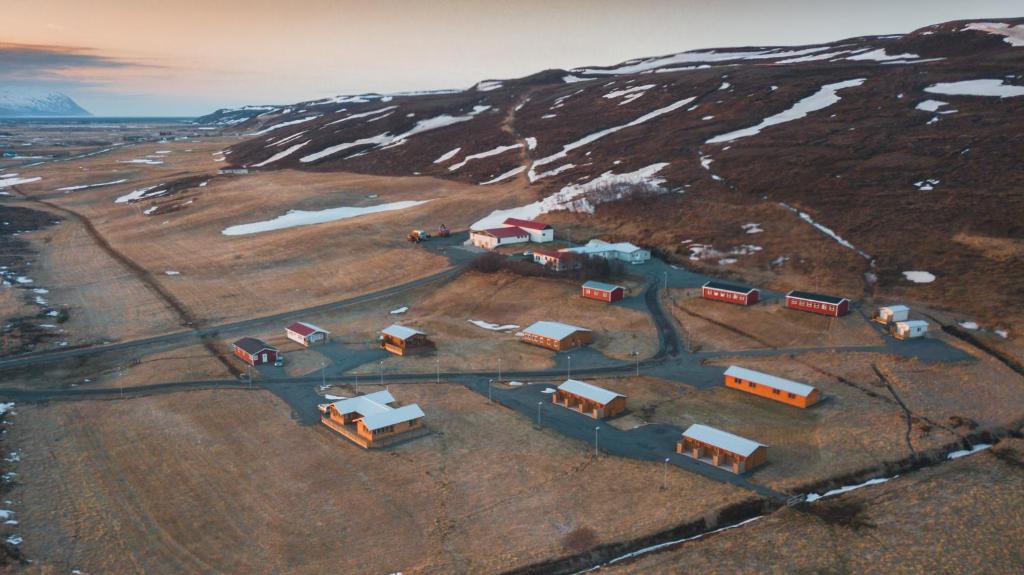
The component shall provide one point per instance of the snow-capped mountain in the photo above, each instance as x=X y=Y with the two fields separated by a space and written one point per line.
x=19 y=103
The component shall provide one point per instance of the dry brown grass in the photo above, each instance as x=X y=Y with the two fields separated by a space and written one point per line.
x=958 y=517
x=227 y=482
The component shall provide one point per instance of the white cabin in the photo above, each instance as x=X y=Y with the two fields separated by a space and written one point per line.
x=909 y=329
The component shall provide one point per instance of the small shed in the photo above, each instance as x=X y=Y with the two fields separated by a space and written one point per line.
x=770 y=386
x=494 y=237
x=909 y=329
x=730 y=293
x=602 y=291
x=557 y=336
x=539 y=231
x=371 y=421
x=722 y=449
x=891 y=313
x=830 y=305
x=255 y=351
x=306 y=334
x=402 y=340
x=589 y=399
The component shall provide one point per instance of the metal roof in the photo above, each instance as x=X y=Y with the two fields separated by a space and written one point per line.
x=832 y=299
x=553 y=329
x=369 y=404
x=526 y=224
x=589 y=391
x=505 y=232
x=601 y=246
x=895 y=308
x=722 y=439
x=801 y=389
x=736 y=288
x=252 y=345
x=392 y=416
x=602 y=286
x=401 y=332
x=913 y=323
x=304 y=329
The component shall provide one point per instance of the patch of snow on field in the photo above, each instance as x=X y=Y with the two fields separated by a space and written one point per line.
x=983 y=87
x=1012 y=35
x=8 y=182
x=145 y=161
x=150 y=210
x=823 y=98
x=502 y=177
x=968 y=325
x=569 y=197
x=487 y=154
x=531 y=143
x=930 y=105
x=554 y=171
x=590 y=138
x=399 y=311
x=927 y=185
x=296 y=218
x=631 y=93
x=140 y=194
x=1002 y=333
x=492 y=326
x=813 y=58
x=361 y=115
x=880 y=55
x=635 y=67
x=284 y=124
x=752 y=228
x=172 y=273
x=14 y=540
x=570 y=79
x=965 y=452
x=285 y=140
x=282 y=154
x=548 y=390
x=825 y=230
x=812 y=497
x=488 y=85
x=86 y=186
x=447 y=155
x=919 y=277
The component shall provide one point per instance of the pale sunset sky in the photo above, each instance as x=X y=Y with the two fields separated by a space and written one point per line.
x=188 y=57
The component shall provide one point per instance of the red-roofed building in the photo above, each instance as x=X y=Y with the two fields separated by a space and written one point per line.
x=553 y=259
x=494 y=237
x=306 y=334
x=539 y=231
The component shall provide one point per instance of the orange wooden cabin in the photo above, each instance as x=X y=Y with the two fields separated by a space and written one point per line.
x=722 y=449
x=770 y=386
x=589 y=399
x=557 y=336
x=371 y=421
x=402 y=340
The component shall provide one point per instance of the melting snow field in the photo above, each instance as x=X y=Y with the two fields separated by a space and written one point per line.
x=570 y=197
x=86 y=186
x=966 y=452
x=141 y=161
x=8 y=182
x=827 y=231
x=492 y=326
x=296 y=218
x=1012 y=35
x=919 y=277
x=400 y=310
x=509 y=174
x=140 y=194
x=985 y=87
x=812 y=497
x=820 y=100
x=281 y=154
x=447 y=155
x=488 y=153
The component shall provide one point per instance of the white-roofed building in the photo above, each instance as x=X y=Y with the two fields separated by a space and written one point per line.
x=721 y=448
x=623 y=251
x=403 y=340
x=371 y=421
x=909 y=329
x=771 y=386
x=556 y=335
x=891 y=314
x=589 y=399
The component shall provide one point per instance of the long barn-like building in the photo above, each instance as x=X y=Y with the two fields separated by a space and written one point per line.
x=557 y=336
x=589 y=399
x=770 y=386
x=730 y=293
x=722 y=449
x=830 y=305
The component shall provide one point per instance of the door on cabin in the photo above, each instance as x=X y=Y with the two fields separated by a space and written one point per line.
x=264 y=358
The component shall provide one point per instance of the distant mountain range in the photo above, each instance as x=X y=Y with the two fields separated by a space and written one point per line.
x=24 y=104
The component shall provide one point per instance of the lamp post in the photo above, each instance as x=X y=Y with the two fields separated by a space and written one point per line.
x=636 y=355
x=666 y=280
x=489 y=382
x=596 y=429
x=570 y=368
x=438 y=370
x=381 y=365
x=499 y=368
x=664 y=476
x=539 y=403
x=323 y=375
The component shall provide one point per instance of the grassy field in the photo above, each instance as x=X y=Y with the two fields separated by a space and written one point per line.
x=958 y=517
x=226 y=482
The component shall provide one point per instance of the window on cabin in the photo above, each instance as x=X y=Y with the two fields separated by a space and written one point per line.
x=775 y=391
x=751 y=384
x=791 y=395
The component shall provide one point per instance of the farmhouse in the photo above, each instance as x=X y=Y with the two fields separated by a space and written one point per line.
x=623 y=251
x=589 y=399
x=557 y=336
x=909 y=329
x=602 y=291
x=371 y=421
x=555 y=260
x=306 y=334
x=539 y=232
x=891 y=314
x=816 y=303
x=730 y=293
x=255 y=351
x=770 y=386
x=494 y=237
x=722 y=449
x=402 y=340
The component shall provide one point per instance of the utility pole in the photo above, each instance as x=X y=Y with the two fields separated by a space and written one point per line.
x=596 y=429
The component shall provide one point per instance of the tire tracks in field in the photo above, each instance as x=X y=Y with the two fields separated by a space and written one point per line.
x=185 y=316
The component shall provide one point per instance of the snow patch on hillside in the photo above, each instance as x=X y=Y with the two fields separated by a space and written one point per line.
x=87 y=186
x=487 y=154
x=823 y=98
x=919 y=277
x=982 y=87
x=507 y=175
x=1012 y=35
x=447 y=155
x=284 y=124
x=361 y=115
x=825 y=230
x=880 y=55
x=8 y=182
x=705 y=56
x=296 y=218
x=281 y=154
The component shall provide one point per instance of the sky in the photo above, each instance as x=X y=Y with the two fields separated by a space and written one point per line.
x=189 y=57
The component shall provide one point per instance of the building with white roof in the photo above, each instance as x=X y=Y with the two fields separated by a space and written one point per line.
x=623 y=251
x=403 y=340
x=556 y=335
x=891 y=313
x=909 y=329
x=589 y=399
x=770 y=386
x=721 y=448
x=371 y=421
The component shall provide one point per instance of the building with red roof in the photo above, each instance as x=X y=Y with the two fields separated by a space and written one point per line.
x=306 y=334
